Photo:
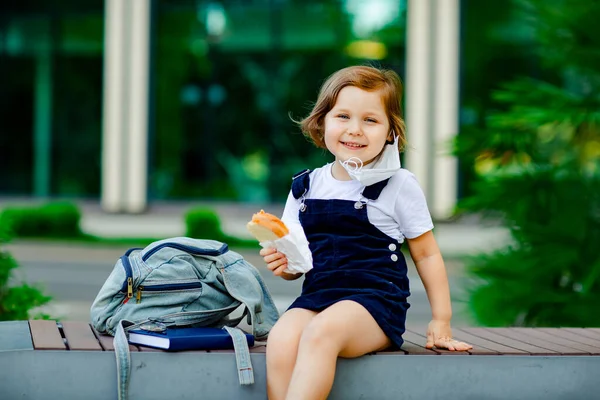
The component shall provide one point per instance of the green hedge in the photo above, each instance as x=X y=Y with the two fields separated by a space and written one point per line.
x=204 y=223
x=59 y=219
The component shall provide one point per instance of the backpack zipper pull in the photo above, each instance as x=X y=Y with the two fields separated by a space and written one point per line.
x=138 y=295
x=129 y=287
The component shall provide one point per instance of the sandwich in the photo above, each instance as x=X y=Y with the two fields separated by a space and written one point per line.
x=266 y=227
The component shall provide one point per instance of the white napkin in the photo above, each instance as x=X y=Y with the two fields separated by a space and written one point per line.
x=295 y=247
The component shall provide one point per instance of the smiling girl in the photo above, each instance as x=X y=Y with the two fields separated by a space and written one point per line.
x=356 y=213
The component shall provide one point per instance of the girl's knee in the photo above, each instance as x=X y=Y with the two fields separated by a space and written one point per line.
x=283 y=340
x=320 y=334
x=282 y=347
x=278 y=339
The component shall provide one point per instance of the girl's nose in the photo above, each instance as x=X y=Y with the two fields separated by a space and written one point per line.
x=354 y=129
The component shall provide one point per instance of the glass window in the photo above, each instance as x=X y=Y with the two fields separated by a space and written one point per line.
x=51 y=95
x=230 y=76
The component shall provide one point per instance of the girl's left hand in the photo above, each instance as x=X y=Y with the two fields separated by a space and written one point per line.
x=439 y=334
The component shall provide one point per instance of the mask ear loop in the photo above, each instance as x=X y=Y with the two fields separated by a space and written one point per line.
x=353 y=164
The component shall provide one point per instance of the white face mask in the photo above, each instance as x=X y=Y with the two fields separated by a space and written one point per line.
x=386 y=165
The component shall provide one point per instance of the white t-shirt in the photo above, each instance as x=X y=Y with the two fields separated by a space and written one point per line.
x=399 y=212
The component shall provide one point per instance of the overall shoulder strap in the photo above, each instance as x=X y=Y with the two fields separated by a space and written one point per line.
x=373 y=191
x=301 y=183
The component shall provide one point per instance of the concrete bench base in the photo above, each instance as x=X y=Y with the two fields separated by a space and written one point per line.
x=32 y=373
x=92 y=375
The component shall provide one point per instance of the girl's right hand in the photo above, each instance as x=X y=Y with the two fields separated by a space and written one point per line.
x=276 y=261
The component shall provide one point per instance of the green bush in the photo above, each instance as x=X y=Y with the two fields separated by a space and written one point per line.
x=58 y=219
x=204 y=223
x=16 y=301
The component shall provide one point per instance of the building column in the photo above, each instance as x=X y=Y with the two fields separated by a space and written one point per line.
x=432 y=84
x=126 y=105
x=42 y=123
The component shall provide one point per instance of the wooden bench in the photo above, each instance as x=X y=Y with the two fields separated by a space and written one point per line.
x=69 y=360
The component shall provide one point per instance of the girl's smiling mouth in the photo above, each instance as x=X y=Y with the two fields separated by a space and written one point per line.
x=352 y=145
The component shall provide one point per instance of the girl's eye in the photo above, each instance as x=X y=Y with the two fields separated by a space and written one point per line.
x=371 y=120
x=344 y=116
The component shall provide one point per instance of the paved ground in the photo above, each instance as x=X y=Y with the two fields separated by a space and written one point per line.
x=73 y=273
x=165 y=219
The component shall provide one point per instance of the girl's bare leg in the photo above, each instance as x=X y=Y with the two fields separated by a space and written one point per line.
x=345 y=329
x=282 y=347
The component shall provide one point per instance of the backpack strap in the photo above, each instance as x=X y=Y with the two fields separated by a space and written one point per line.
x=121 y=345
x=242 y=355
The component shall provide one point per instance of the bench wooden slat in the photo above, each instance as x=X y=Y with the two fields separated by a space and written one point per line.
x=591 y=332
x=416 y=345
x=46 y=336
x=494 y=336
x=259 y=347
x=421 y=337
x=465 y=335
x=106 y=341
x=478 y=348
x=15 y=335
x=585 y=332
x=415 y=349
x=79 y=336
x=529 y=336
x=557 y=341
x=592 y=345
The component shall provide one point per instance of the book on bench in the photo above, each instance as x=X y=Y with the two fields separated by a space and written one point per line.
x=177 y=339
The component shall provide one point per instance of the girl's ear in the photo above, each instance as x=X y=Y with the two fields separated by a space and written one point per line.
x=391 y=138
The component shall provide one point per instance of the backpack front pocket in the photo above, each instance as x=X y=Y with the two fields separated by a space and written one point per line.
x=185 y=291
x=157 y=300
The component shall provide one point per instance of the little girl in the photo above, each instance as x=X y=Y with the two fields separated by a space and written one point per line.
x=356 y=213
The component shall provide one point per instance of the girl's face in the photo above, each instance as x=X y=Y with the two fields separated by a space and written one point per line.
x=357 y=125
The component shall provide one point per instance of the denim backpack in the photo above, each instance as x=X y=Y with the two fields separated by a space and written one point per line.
x=182 y=282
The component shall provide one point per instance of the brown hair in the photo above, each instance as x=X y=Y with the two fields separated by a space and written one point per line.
x=363 y=77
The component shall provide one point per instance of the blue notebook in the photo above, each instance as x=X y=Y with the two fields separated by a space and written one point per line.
x=177 y=339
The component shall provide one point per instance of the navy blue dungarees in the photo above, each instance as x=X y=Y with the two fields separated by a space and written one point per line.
x=352 y=259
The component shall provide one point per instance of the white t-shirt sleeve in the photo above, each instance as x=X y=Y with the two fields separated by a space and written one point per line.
x=411 y=209
x=291 y=210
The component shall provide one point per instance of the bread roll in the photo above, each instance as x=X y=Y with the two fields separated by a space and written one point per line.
x=265 y=227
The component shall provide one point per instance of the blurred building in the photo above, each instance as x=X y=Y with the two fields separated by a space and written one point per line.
x=134 y=101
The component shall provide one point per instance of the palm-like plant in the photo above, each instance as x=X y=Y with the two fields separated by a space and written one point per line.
x=538 y=167
x=16 y=301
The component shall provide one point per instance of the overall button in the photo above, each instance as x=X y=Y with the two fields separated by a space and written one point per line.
x=392 y=247
x=394 y=257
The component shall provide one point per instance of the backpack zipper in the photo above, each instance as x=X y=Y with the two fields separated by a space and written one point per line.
x=129 y=287
x=190 y=249
x=165 y=288
x=128 y=284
